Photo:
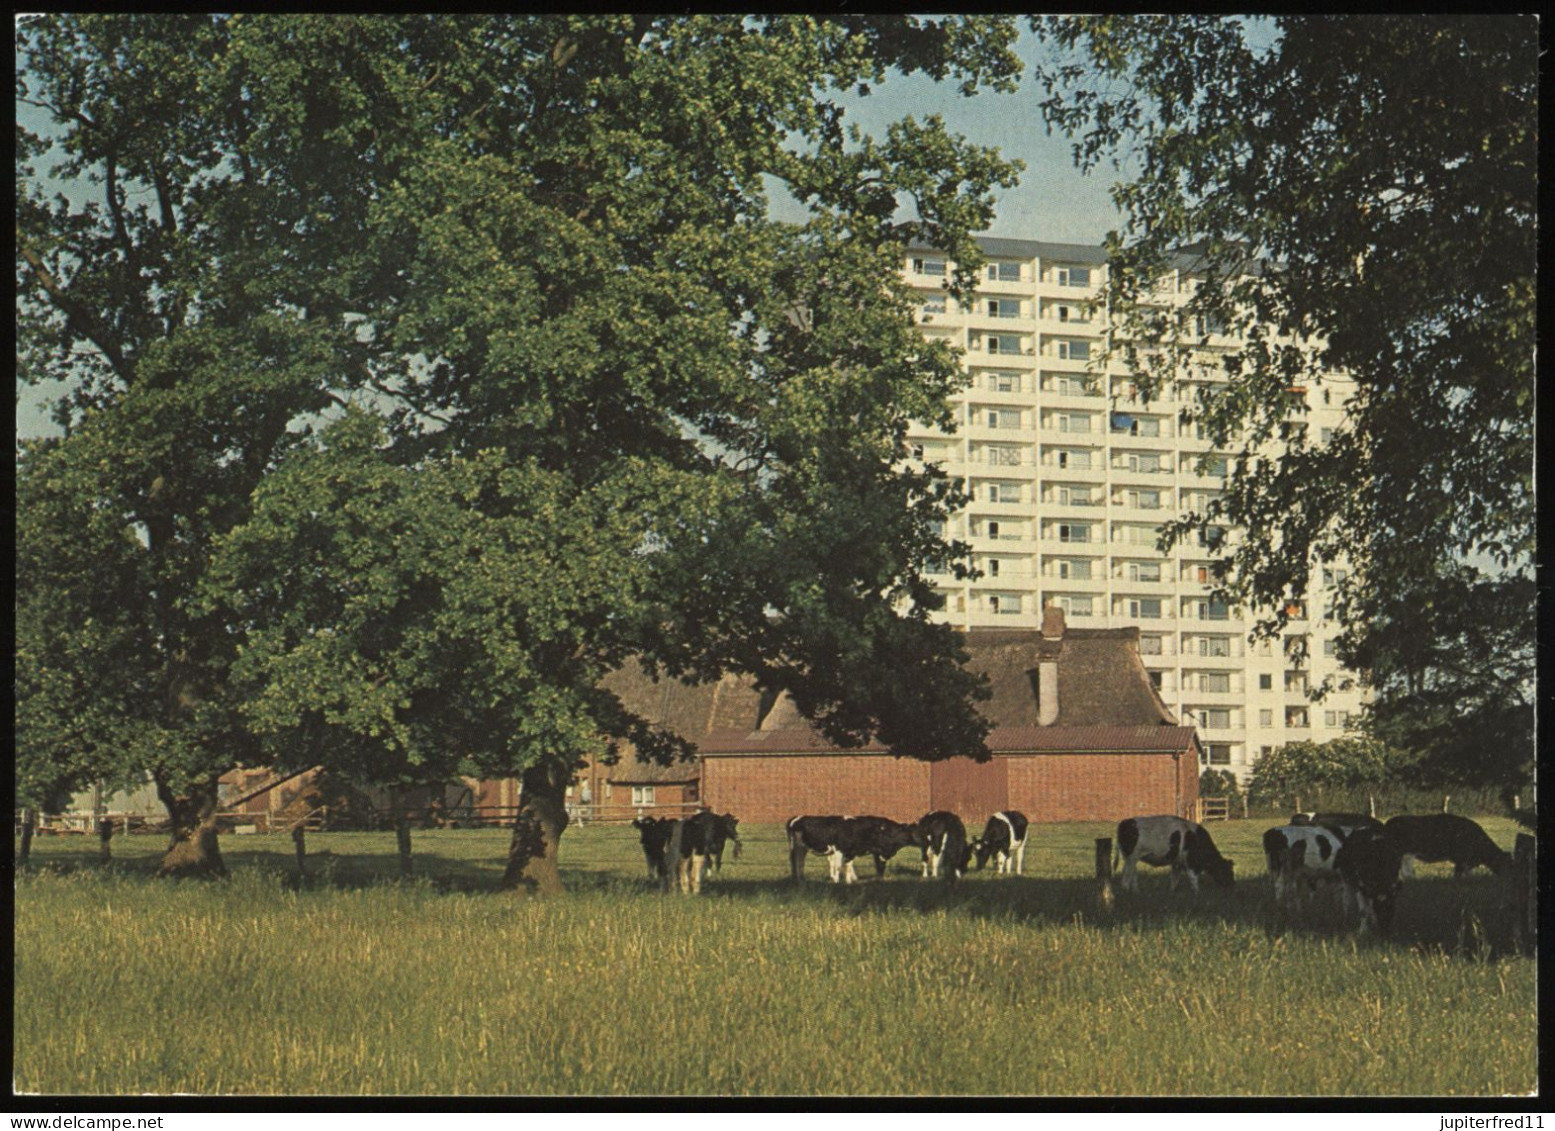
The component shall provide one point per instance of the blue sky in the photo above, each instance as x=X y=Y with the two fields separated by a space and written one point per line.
x=1052 y=201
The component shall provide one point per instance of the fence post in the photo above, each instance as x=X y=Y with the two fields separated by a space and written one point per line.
x=1525 y=896
x=402 y=837
x=298 y=837
x=1104 y=872
x=104 y=835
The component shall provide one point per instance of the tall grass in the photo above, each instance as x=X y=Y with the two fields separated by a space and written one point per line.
x=352 y=982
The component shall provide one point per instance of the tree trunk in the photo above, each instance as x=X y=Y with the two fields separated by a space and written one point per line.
x=193 y=850
x=25 y=850
x=537 y=831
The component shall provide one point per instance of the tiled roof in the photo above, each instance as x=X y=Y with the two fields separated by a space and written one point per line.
x=1002 y=740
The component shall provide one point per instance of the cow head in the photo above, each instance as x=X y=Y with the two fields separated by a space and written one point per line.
x=961 y=860
x=980 y=850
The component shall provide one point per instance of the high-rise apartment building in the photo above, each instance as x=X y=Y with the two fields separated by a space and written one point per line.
x=1071 y=474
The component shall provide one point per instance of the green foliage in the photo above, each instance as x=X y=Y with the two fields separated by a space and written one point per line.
x=1354 y=194
x=426 y=369
x=1218 y=783
x=1351 y=764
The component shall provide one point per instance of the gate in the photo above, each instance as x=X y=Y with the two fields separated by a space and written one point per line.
x=971 y=790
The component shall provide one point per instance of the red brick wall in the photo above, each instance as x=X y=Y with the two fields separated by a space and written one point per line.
x=762 y=790
x=1046 y=787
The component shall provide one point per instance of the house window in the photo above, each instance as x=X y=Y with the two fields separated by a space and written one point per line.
x=1074 y=350
x=1074 y=532
x=1003 y=308
x=642 y=795
x=933 y=267
x=1074 y=276
x=1219 y=753
x=1003 y=272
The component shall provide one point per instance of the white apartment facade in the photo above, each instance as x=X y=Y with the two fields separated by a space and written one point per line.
x=1072 y=475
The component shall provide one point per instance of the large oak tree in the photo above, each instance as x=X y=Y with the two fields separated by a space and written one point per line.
x=1354 y=194
x=426 y=369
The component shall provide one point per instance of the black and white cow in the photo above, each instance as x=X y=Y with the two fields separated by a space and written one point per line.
x=945 y=846
x=1004 y=838
x=1369 y=862
x=700 y=837
x=1434 y=837
x=654 y=833
x=1301 y=854
x=1342 y=823
x=843 y=839
x=1185 y=846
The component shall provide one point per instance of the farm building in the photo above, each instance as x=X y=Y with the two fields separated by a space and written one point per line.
x=1079 y=733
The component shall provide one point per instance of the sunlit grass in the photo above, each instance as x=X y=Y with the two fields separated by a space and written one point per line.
x=353 y=982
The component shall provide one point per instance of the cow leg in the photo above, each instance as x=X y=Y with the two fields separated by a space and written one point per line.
x=1020 y=859
x=698 y=873
x=1129 y=877
x=834 y=865
x=849 y=876
x=879 y=867
x=796 y=855
x=1407 y=869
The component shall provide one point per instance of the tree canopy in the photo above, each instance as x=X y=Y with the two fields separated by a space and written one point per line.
x=427 y=368
x=1355 y=194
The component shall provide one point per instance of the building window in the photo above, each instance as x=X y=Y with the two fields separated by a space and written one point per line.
x=932 y=267
x=1150 y=646
x=1266 y=718
x=1075 y=459
x=1155 y=679
x=1265 y=682
x=1215 y=681
x=1219 y=753
x=1075 y=569
x=1074 y=422
x=1214 y=718
x=1074 y=532
x=1004 y=418
x=1074 y=606
x=1144 y=608
x=1214 y=645
x=1213 y=610
x=993 y=567
x=1336 y=718
x=916 y=450
x=1004 y=492
x=1296 y=717
x=1003 y=455
x=1074 y=276
x=1004 y=603
x=1071 y=385
x=1003 y=381
x=1331 y=648
x=1144 y=571
x=1079 y=496
x=1150 y=462
x=642 y=795
x=1074 y=350
x=1003 y=272
x=1003 y=307
x=1002 y=343
x=933 y=304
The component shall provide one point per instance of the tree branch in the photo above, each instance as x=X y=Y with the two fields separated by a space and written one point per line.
x=76 y=315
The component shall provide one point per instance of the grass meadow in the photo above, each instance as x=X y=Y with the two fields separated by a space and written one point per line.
x=353 y=981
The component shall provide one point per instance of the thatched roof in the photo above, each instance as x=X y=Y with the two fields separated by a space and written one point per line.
x=1105 y=701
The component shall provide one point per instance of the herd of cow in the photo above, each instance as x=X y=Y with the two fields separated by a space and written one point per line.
x=1365 y=857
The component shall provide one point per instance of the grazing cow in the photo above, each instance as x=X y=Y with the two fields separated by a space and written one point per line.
x=655 y=835
x=1160 y=841
x=944 y=845
x=1369 y=862
x=725 y=829
x=699 y=834
x=842 y=839
x=1434 y=837
x=1342 y=823
x=1301 y=852
x=1004 y=838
